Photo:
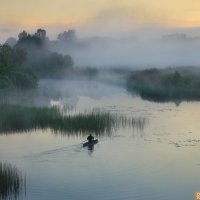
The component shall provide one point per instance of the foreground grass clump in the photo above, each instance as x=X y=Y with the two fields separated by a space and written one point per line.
x=16 y=118
x=11 y=182
x=170 y=84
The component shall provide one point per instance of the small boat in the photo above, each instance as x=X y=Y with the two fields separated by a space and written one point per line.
x=88 y=144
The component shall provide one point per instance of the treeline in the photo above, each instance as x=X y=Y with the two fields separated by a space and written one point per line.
x=29 y=57
x=40 y=58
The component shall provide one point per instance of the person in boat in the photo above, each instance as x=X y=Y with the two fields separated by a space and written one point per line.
x=90 y=138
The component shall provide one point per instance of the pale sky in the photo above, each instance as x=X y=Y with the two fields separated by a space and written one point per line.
x=103 y=16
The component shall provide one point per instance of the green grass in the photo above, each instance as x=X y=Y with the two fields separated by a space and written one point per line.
x=16 y=118
x=11 y=182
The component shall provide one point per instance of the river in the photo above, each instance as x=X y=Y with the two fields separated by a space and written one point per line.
x=158 y=160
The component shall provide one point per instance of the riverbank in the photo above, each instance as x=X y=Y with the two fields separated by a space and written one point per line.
x=170 y=84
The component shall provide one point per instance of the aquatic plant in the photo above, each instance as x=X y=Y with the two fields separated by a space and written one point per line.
x=12 y=182
x=16 y=118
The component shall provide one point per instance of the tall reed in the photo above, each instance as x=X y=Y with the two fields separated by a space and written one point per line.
x=16 y=118
x=12 y=182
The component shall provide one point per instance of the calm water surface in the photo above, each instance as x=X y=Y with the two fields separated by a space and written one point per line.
x=159 y=161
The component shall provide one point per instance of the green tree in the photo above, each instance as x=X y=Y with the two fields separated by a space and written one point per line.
x=12 y=73
x=68 y=36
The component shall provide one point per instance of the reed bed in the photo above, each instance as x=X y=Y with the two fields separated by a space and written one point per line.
x=16 y=118
x=12 y=182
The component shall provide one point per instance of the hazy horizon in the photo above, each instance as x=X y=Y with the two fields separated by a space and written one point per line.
x=143 y=48
x=149 y=32
x=146 y=21
x=99 y=18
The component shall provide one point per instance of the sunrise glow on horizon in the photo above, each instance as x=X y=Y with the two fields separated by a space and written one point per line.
x=98 y=14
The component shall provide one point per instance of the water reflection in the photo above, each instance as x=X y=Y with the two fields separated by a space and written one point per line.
x=155 y=96
x=66 y=92
x=131 y=167
x=90 y=149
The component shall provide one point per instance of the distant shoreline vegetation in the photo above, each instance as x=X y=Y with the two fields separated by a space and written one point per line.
x=170 y=84
x=32 y=57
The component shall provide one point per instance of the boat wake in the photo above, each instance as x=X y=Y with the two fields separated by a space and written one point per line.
x=52 y=152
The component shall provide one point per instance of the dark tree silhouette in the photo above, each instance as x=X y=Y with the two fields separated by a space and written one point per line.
x=36 y=40
x=68 y=36
x=41 y=33
x=22 y=35
x=12 y=73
